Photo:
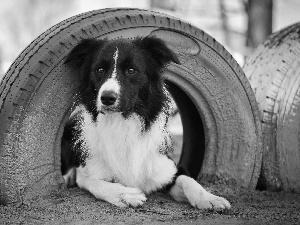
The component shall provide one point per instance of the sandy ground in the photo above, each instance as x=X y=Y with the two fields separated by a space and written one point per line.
x=75 y=206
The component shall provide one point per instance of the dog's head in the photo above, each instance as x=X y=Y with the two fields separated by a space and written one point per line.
x=121 y=75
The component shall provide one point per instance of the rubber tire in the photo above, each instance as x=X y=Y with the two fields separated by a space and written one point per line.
x=220 y=116
x=274 y=73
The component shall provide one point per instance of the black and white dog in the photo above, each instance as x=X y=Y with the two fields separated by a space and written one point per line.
x=116 y=137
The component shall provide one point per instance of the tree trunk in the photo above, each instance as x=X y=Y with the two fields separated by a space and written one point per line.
x=260 y=17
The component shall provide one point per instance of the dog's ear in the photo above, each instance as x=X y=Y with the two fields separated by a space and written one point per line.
x=158 y=50
x=83 y=53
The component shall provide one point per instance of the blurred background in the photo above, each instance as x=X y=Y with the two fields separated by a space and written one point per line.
x=240 y=25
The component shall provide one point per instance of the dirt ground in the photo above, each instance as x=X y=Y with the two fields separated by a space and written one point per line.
x=75 y=206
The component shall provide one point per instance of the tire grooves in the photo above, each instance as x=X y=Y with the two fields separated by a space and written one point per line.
x=247 y=87
x=238 y=70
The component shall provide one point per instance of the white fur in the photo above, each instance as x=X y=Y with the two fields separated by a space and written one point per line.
x=112 y=84
x=120 y=152
x=187 y=189
x=115 y=56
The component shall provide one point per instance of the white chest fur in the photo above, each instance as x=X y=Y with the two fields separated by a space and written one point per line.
x=119 y=151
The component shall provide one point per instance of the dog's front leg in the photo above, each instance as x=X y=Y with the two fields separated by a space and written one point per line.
x=186 y=189
x=114 y=193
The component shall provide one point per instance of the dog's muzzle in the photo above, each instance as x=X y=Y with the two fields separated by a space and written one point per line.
x=109 y=98
x=109 y=102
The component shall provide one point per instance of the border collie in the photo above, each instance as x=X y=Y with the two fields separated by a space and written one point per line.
x=116 y=139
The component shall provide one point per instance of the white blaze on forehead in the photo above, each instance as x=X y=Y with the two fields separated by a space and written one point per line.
x=115 y=56
x=111 y=84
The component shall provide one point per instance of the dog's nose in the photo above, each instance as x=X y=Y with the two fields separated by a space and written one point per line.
x=109 y=98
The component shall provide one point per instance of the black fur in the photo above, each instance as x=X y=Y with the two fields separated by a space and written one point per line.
x=157 y=55
x=73 y=154
x=80 y=60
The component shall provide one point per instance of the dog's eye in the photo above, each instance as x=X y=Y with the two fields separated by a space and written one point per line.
x=130 y=71
x=100 y=70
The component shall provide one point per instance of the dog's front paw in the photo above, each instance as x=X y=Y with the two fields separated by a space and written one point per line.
x=199 y=197
x=202 y=199
x=128 y=197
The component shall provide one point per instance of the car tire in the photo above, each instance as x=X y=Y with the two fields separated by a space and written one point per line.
x=274 y=73
x=222 y=130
